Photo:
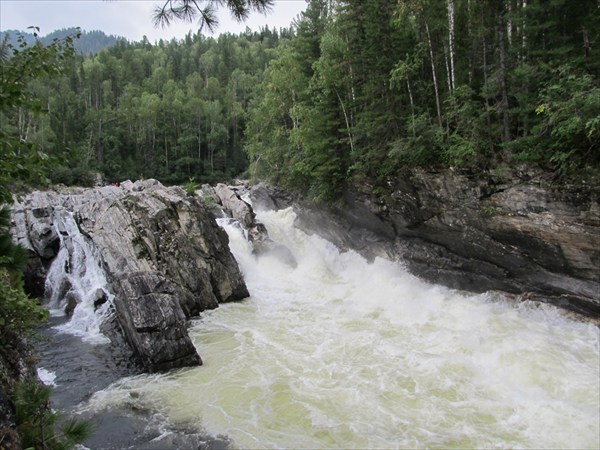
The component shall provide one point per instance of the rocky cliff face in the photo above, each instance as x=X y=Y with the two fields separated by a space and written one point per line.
x=515 y=233
x=518 y=234
x=164 y=258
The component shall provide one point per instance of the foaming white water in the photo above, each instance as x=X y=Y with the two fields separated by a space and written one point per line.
x=76 y=276
x=47 y=377
x=340 y=353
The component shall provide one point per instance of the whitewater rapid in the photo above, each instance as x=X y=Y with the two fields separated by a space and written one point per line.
x=342 y=353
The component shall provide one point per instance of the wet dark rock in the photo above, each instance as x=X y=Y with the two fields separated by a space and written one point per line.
x=61 y=289
x=16 y=364
x=100 y=298
x=9 y=438
x=267 y=197
x=34 y=276
x=516 y=233
x=153 y=320
x=238 y=209
x=234 y=205
x=72 y=300
x=164 y=255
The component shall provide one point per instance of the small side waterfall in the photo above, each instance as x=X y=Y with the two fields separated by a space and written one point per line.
x=76 y=283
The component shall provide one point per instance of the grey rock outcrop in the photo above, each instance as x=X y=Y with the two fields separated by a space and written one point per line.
x=516 y=233
x=233 y=204
x=257 y=234
x=164 y=256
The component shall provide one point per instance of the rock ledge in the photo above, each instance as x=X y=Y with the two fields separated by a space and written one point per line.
x=163 y=254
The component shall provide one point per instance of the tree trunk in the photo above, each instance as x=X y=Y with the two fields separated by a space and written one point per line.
x=351 y=73
x=166 y=155
x=435 y=82
x=452 y=44
x=100 y=148
x=472 y=48
x=509 y=22
x=295 y=119
x=524 y=31
x=506 y=134
x=448 y=70
x=347 y=121
x=211 y=150
x=412 y=106
x=485 y=80
x=586 y=44
x=199 y=141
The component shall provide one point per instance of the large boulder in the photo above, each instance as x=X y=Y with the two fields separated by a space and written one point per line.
x=233 y=204
x=164 y=257
x=150 y=308
x=241 y=211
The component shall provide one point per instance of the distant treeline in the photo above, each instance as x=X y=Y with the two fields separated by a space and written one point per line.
x=89 y=42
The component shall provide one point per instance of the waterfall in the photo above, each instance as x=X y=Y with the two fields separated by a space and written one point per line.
x=76 y=282
x=342 y=353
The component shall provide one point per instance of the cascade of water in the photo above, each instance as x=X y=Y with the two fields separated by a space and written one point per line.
x=341 y=353
x=76 y=282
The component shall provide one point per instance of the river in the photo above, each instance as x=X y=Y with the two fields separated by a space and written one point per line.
x=342 y=353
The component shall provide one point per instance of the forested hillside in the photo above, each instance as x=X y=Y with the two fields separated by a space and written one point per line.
x=355 y=89
x=173 y=111
x=369 y=87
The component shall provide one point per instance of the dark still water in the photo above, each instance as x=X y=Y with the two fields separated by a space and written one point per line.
x=76 y=369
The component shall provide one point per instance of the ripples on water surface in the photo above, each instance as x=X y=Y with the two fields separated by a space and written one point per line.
x=340 y=353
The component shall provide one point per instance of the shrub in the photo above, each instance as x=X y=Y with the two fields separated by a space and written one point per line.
x=191 y=186
x=39 y=426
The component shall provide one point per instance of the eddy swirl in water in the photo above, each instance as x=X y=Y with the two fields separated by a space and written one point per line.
x=340 y=353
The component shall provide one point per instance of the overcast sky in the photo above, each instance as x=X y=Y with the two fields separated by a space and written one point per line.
x=131 y=19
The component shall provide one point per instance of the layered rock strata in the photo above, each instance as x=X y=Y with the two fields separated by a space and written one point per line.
x=516 y=233
x=164 y=256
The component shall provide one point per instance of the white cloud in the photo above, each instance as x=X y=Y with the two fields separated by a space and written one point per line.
x=129 y=18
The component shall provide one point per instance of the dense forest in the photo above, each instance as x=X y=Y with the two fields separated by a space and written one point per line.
x=367 y=88
x=174 y=110
x=354 y=89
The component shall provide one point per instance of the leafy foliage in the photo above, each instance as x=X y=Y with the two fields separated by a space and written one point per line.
x=205 y=12
x=357 y=88
x=191 y=186
x=21 y=160
x=39 y=426
x=18 y=313
x=392 y=86
x=171 y=111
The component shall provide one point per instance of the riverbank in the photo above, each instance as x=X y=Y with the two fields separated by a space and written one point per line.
x=515 y=232
x=79 y=369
